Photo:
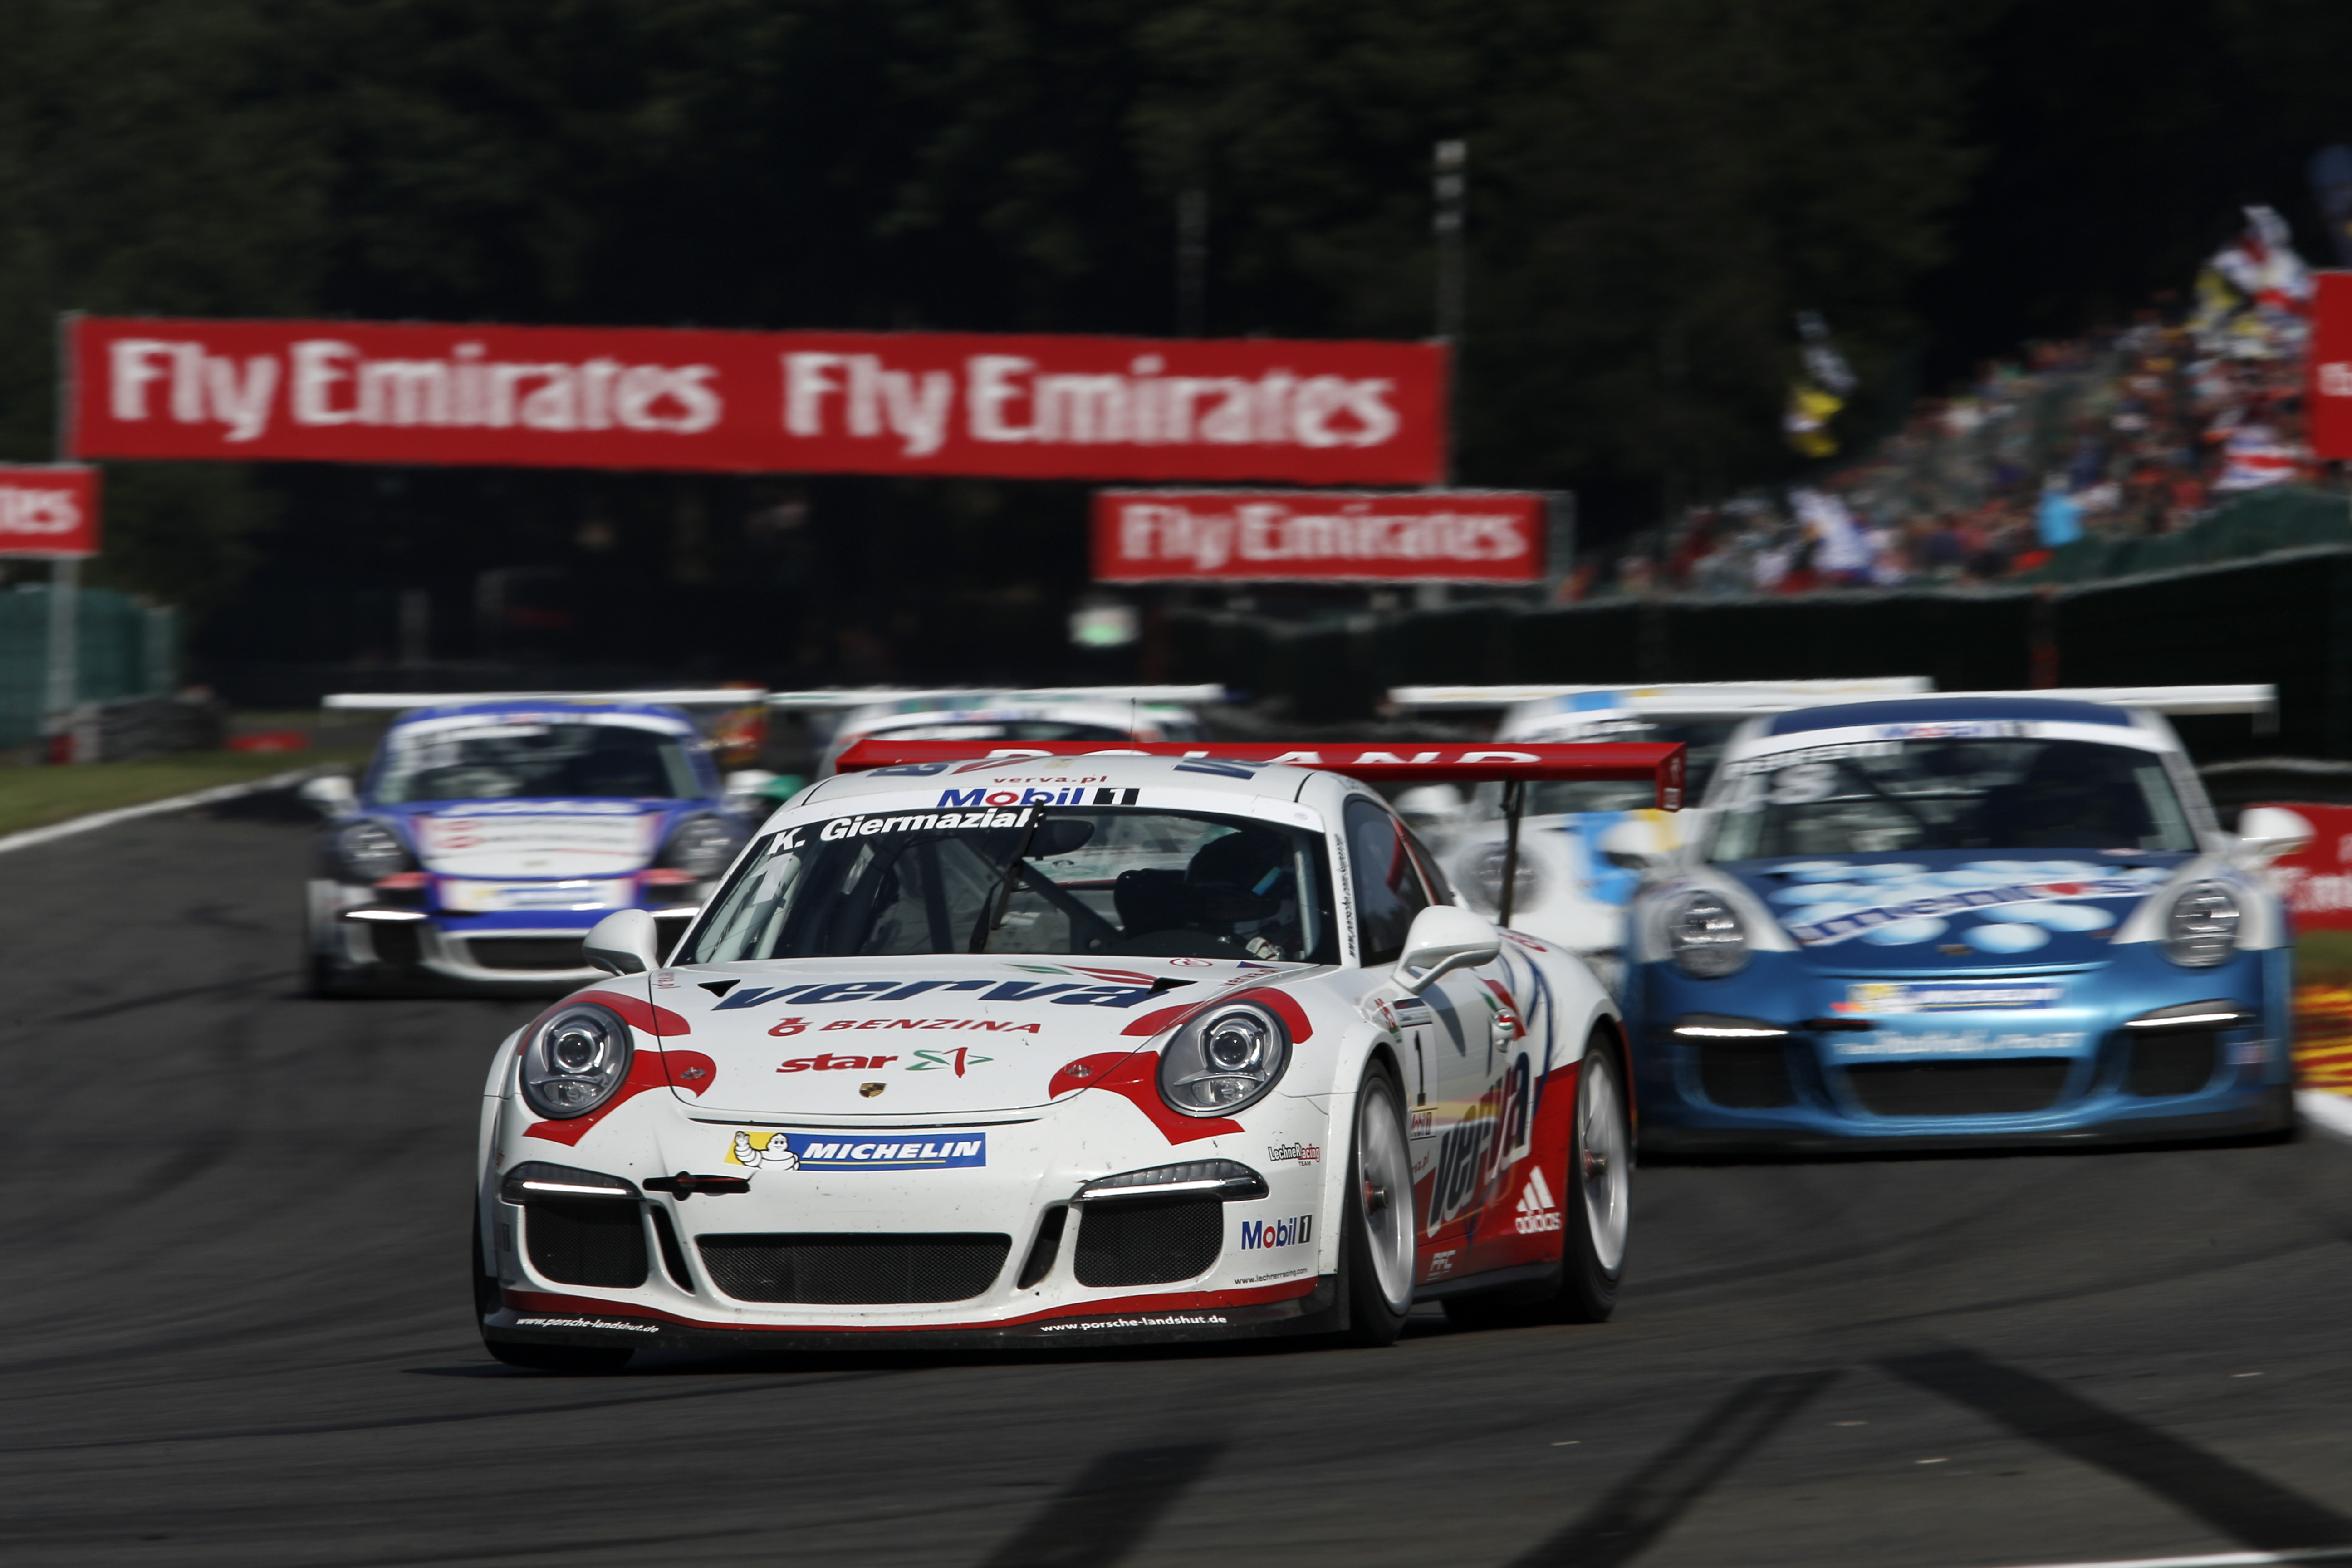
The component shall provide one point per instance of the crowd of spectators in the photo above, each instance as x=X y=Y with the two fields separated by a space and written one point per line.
x=2140 y=431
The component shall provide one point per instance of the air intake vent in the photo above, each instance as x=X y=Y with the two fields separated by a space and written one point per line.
x=1747 y=1074
x=586 y=1241
x=2009 y=1087
x=527 y=953
x=854 y=1271
x=1148 y=1241
x=2173 y=1061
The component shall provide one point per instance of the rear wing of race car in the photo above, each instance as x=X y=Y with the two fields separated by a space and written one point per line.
x=1514 y=766
x=1678 y=700
x=915 y=699
x=2191 y=702
x=396 y=701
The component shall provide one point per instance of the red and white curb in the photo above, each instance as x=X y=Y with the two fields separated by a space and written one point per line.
x=2331 y=1114
x=98 y=819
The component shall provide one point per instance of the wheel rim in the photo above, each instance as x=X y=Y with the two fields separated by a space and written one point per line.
x=1601 y=1151
x=1384 y=1196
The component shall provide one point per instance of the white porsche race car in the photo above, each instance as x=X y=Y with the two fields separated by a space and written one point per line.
x=1207 y=1049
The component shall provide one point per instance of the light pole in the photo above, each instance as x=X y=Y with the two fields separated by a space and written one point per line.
x=1192 y=263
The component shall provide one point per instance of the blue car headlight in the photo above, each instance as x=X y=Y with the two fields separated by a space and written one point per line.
x=701 y=846
x=2202 y=928
x=1705 y=936
x=371 y=851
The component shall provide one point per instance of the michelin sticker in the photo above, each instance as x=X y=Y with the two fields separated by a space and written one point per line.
x=832 y=1152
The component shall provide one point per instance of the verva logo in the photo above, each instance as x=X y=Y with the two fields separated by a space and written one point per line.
x=1014 y=407
x=48 y=511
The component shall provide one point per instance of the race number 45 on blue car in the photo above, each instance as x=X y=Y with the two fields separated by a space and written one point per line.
x=1991 y=918
x=490 y=833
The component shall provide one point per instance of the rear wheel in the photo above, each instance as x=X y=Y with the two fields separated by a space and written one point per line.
x=1377 y=1256
x=1601 y=1169
x=1597 y=1208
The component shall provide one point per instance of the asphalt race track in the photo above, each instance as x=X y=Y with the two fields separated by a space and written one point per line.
x=237 y=1332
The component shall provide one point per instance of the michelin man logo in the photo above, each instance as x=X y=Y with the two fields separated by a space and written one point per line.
x=767 y=1149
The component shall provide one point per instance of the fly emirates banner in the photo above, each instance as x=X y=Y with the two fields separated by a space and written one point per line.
x=868 y=402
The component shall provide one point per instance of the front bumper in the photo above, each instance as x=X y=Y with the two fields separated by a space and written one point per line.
x=352 y=929
x=2059 y=1076
x=1255 y=1266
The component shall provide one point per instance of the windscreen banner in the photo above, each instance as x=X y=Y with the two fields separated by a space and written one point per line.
x=1034 y=407
x=1427 y=536
x=48 y=511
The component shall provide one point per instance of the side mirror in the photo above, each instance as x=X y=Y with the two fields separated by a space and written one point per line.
x=332 y=794
x=2267 y=832
x=1444 y=938
x=624 y=943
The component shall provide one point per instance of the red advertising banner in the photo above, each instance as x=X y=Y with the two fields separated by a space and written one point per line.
x=2329 y=399
x=1429 y=536
x=2316 y=882
x=48 y=511
x=869 y=402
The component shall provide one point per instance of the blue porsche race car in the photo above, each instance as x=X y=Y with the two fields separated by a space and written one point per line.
x=487 y=835
x=1998 y=918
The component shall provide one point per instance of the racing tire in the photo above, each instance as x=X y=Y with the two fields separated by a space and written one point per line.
x=323 y=978
x=1375 y=1258
x=1599 y=1190
x=579 y=1361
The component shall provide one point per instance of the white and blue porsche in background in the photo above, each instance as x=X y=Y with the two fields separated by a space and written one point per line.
x=1994 y=918
x=489 y=833
x=1583 y=843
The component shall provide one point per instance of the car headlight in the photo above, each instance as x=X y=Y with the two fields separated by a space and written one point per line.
x=575 y=1061
x=702 y=845
x=2202 y=927
x=1224 y=1059
x=371 y=851
x=1486 y=879
x=1705 y=936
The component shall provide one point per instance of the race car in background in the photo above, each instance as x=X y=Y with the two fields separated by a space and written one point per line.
x=1102 y=714
x=1184 y=1046
x=1986 y=918
x=492 y=831
x=1582 y=842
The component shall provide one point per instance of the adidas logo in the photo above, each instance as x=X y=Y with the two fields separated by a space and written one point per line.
x=1538 y=1210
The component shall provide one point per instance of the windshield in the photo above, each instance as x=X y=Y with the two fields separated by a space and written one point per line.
x=1873 y=796
x=1154 y=884
x=499 y=761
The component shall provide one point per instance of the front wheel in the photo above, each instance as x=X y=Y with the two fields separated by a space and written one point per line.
x=1376 y=1253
